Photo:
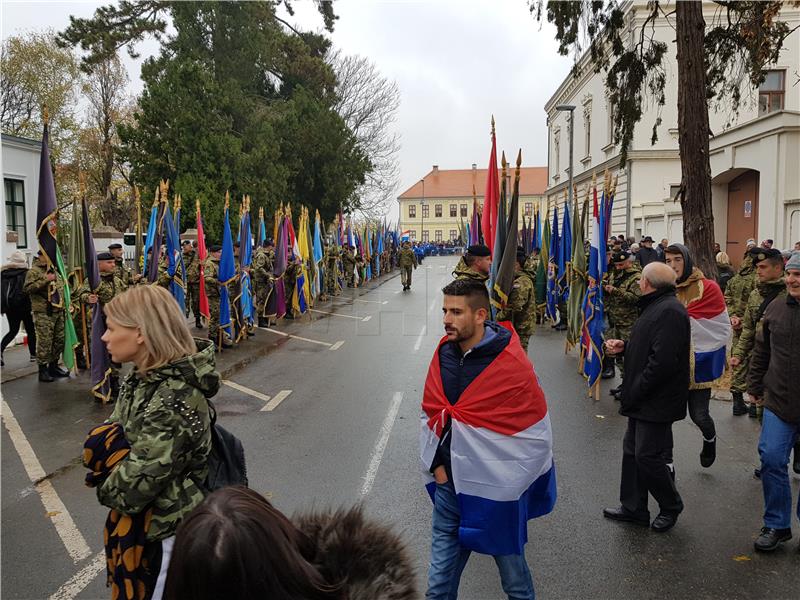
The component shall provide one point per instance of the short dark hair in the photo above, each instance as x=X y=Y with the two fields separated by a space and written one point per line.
x=475 y=292
x=774 y=260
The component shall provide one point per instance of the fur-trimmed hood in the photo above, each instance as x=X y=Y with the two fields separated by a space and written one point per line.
x=370 y=559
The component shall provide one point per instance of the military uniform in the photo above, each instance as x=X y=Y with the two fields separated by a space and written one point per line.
x=290 y=275
x=191 y=263
x=164 y=278
x=262 y=281
x=122 y=272
x=462 y=271
x=521 y=307
x=349 y=264
x=210 y=275
x=621 y=305
x=48 y=318
x=737 y=293
x=331 y=271
x=408 y=261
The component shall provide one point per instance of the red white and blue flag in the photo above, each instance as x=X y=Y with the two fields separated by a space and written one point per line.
x=501 y=450
x=592 y=329
x=711 y=329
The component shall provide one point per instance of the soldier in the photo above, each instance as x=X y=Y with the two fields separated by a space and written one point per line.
x=407 y=261
x=770 y=285
x=532 y=262
x=293 y=270
x=737 y=293
x=521 y=306
x=46 y=291
x=349 y=264
x=110 y=287
x=212 y=284
x=331 y=272
x=263 y=280
x=475 y=264
x=164 y=278
x=122 y=272
x=191 y=263
x=622 y=306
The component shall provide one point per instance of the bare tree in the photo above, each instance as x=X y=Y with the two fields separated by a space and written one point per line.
x=368 y=103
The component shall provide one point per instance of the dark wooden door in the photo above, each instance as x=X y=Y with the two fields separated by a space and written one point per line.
x=742 y=214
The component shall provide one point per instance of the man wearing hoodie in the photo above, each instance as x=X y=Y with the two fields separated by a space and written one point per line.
x=702 y=297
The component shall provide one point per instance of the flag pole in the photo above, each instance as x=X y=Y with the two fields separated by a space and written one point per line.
x=79 y=278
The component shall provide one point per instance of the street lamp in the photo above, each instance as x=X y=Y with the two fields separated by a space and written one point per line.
x=570 y=108
x=422 y=212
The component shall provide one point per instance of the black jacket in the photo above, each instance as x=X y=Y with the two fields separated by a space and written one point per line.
x=775 y=361
x=646 y=255
x=656 y=383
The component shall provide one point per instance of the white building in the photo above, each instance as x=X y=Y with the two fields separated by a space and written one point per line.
x=20 y=164
x=755 y=162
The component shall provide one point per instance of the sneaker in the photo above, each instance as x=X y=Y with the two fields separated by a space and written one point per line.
x=771 y=538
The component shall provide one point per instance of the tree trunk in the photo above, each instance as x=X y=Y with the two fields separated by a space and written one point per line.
x=693 y=134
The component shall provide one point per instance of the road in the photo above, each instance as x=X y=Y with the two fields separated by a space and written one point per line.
x=329 y=417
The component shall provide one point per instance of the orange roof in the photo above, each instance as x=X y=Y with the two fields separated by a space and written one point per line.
x=457 y=183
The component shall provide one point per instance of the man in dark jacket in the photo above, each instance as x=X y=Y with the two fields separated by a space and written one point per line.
x=772 y=377
x=647 y=253
x=654 y=395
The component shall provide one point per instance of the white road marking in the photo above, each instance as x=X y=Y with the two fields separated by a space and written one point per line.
x=333 y=314
x=420 y=337
x=279 y=397
x=78 y=582
x=73 y=540
x=246 y=390
x=433 y=304
x=371 y=301
x=380 y=445
x=297 y=337
x=337 y=345
x=367 y=318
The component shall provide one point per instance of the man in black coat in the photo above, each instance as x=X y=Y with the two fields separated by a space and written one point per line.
x=654 y=395
x=647 y=253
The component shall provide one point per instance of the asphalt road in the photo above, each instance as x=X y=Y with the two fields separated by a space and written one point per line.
x=343 y=429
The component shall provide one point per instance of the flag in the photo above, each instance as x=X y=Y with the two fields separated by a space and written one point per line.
x=101 y=359
x=137 y=255
x=202 y=255
x=592 y=329
x=227 y=272
x=499 y=230
x=46 y=232
x=245 y=260
x=504 y=279
x=151 y=232
x=276 y=303
x=177 y=282
x=542 y=268
x=158 y=235
x=711 y=329
x=564 y=258
x=501 y=445
x=76 y=256
x=491 y=197
x=577 y=285
x=552 y=269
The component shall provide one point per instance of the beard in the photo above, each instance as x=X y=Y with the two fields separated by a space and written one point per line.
x=455 y=334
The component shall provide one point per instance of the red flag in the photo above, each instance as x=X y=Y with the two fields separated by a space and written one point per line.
x=491 y=197
x=201 y=256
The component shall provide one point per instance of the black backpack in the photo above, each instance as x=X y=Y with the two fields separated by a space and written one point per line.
x=13 y=297
x=226 y=464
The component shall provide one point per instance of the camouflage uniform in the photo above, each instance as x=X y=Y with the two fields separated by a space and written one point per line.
x=122 y=272
x=164 y=278
x=531 y=264
x=331 y=271
x=262 y=279
x=191 y=263
x=462 y=271
x=290 y=275
x=737 y=293
x=210 y=274
x=408 y=261
x=48 y=319
x=751 y=322
x=621 y=305
x=165 y=415
x=349 y=264
x=521 y=307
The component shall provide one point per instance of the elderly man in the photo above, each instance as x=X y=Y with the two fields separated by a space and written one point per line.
x=772 y=378
x=647 y=253
x=653 y=397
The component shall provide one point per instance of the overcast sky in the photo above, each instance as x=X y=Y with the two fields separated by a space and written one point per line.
x=456 y=63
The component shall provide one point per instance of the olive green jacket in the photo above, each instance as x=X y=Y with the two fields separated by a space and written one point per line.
x=38 y=288
x=751 y=323
x=737 y=292
x=521 y=306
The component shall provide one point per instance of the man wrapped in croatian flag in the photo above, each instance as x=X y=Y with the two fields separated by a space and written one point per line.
x=486 y=445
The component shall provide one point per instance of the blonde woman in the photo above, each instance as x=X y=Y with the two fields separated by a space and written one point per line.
x=162 y=419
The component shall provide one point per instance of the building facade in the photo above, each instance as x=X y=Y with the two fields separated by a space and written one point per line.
x=433 y=209
x=754 y=156
x=21 y=158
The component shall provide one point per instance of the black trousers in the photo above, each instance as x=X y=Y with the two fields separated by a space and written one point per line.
x=698 y=412
x=644 y=468
x=14 y=321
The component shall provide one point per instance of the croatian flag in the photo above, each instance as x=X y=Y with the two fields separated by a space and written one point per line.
x=711 y=329
x=404 y=237
x=501 y=450
x=592 y=328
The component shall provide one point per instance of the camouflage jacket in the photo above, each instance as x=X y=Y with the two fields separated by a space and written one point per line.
x=122 y=272
x=751 y=321
x=211 y=277
x=348 y=260
x=521 y=306
x=408 y=258
x=737 y=292
x=110 y=286
x=262 y=265
x=164 y=278
x=531 y=264
x=462 y=271
x=331 y=256
x=38 y=288
x=191 y=263
x=622 y=303
x=166 y=419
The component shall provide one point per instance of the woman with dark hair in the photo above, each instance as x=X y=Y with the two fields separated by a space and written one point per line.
x=237 y=546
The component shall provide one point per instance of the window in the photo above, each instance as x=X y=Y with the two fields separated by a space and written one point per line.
x=453 y=210
x=453 y=235
x=610 y=124
x=673 y=191
x=412 y=234
x=463 y=210
x=771 y=92
x=437 y=210
x=528 y=209
x=412 y=211
x=437 y=235
x=556 y=155
x=587 y=130
x=426 y=211
x=425 y=235
x=15 y=210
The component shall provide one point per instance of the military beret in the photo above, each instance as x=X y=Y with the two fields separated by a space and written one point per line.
x=620 y=256
x=115 y=247
x=269 y=242
x=186 y=243
x=105 y=256
x=760 y=254
x=479 y=250
x=215 y=247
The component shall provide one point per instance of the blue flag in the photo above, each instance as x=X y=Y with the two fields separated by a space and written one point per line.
x=564 y=257
x=552 y=269
x=245 y=260
x=592 y=330
x=177 y=286
x=227 y=271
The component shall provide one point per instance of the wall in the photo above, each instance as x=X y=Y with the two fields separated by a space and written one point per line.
x=21 y=161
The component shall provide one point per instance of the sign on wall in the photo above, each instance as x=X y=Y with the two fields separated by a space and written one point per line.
x=748 y=209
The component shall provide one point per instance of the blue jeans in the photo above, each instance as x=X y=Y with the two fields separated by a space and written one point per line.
x=448 y=558
x=777 y=439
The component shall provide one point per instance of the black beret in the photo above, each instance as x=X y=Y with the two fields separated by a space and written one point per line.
x=760 y=254
x=479 y=250
x=215 y=248
x=186 y=243
x=115 y=247
x=647 y=239
x=105 y=256
x=620 y=256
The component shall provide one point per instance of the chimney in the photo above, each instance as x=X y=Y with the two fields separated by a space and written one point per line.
x=435 y=170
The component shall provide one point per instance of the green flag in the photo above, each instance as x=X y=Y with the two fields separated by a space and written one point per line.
x=577 y=284
x=541 y=270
